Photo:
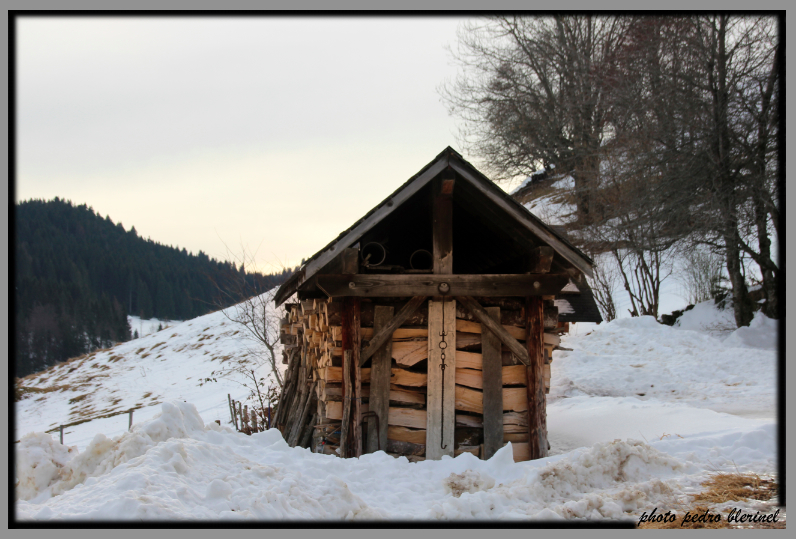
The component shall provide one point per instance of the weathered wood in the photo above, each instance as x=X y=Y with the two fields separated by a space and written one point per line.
x=516 y=348
x=537 y=407
x=308 y=431
x=405 y=448
x=402 y=396
x=512 y=312
x=463 y=420
x=231 y=413
x=346 y=423
x=468 y=360
x=441 y=397
x=521 y=451
x=441 y=229
x=492 y=387
x=404 y=434
x=383 y=334
x=511 y=375
x=540 y=259
x=407 y=417
x=403 y=377
x=471 y=400
x=380 y=373
x=349 y=260
x=475 y=327
x=409 y=353
x=394 y=285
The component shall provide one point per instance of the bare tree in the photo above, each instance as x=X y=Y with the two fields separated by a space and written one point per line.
x=700 y=273
x=604 y=286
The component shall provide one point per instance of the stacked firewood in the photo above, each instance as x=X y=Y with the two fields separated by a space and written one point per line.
x=311 y=406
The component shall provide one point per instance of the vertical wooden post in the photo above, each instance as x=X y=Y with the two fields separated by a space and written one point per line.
x=246 y=428
x=231 y=413
x=254 y=421
x=344 y=428
x=537 y=404
x=240 y=416
x=130 y=422
x=441 y=415
x=62 y=434
x=352 y=341
x=492 y=387
x=380 y=373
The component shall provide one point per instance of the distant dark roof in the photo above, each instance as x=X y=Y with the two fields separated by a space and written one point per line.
x=576 y=304
x=447 y=158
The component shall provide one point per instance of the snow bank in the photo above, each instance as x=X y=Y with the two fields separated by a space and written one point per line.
x=638 y=357
x=175 y=467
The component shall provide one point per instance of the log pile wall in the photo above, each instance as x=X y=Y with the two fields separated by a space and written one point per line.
x=312 y=403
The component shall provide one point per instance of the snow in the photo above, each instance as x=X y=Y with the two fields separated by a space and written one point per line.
x=707 y=405
x=150 y=326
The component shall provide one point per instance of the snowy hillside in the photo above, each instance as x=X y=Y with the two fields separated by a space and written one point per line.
x=171 y=364
x=639 y=415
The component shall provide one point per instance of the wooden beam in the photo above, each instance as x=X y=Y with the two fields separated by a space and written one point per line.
x=345 y=427
x=402 y=285
x=351 y=342
x=379 y=399
x=511 y=343
x=441 y=396
x=382 y=335
x=442 y=227
x=492 y=387
x=537 y=404
x=540 y=259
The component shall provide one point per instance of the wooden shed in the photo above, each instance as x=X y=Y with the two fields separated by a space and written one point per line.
x=427 y=328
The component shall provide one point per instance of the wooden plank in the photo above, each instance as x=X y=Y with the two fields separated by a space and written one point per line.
x=404 y=434
x=470 y=326
x=402 y=377
x=540 y=259
x=520 y=451
x=492 y=387
x=441 y=229
x=552 y=338
x=469 y=377
x=537 y=405
x=463 y=420
x=406 y=397
x=334 y=410
x=516 y=348
x=526 y=220
x=383 y=334
x=402 y=285
x=407 y=417
x=380 y=374
x=441 y=397
x=468 y=360
x=471 y=400
x=409 y=353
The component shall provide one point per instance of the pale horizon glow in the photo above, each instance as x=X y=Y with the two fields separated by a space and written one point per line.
x=219 y=134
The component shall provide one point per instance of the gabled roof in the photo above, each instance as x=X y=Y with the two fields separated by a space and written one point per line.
x=447 y=158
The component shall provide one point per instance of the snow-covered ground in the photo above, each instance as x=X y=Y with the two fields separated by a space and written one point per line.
x=639 y=414
x=148 y=326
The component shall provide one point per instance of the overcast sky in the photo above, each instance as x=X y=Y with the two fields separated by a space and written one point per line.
x=269 y=133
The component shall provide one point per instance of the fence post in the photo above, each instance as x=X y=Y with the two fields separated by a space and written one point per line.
x=130 y=422
x=231 y=412
x=62 y=434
